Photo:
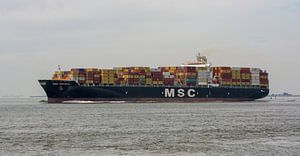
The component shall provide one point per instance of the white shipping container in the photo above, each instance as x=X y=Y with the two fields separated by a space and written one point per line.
x=203 y=74
x=255 y=81
x=166 y=73
x=202 y=79
x=156 y=69
x=169 y=76
x=214 y=85
x=74 y=78
x=236 y=68
x=254 y=78
x=254 y=70
x=81 y=78
x=255 y=74
x=202 y=83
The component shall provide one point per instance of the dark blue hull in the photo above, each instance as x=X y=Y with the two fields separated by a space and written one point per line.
x=59 y=91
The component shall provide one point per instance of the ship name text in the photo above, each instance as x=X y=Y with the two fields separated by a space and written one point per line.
x=179 y=93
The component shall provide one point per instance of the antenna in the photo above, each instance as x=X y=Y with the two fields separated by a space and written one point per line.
x=201 y=59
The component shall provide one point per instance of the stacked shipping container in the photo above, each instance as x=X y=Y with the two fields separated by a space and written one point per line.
x=204 y=75
x=190 y=76
x=168 y=76
x=180 y=76
x=61 y=75
x=236 y=76
x=225 y=76
x=157 y=76
x=264 y=82
x=245 y=76
x=255 y=79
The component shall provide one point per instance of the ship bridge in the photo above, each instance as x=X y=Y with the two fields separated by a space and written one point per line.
x=200 y=62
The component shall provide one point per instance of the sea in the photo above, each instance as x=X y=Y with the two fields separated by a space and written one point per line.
x=266 y=127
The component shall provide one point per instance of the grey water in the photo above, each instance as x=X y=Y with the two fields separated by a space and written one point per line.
x=265 y=127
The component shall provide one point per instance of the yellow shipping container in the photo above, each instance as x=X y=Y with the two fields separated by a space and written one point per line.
x=127 y=76
x=148 y=81
x=201 y=69
x=191 y=74
x=104 y=76
x=89 y=81
x=104 y=72
x=236 y=77
x=111 y=75
x=112 y=71
x=59 y=72
x=225 y=71
x=89 y=69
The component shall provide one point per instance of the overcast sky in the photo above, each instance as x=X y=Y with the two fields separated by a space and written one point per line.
x=38 y=35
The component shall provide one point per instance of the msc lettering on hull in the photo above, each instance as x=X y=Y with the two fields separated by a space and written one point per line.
x=179 y=93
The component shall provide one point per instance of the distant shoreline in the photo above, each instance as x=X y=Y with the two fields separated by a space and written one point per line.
x=23 y=96
x=37 y=96
x=283 y=95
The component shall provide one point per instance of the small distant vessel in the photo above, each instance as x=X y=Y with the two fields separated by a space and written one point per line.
x=192 y=82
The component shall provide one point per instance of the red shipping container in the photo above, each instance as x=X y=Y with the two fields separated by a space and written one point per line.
x=226 y=75
x=130 y=80
x=236 y=80
x=246 y=80
x=224 y=68
x=264 y=81
x=81 y=77
x=245 y=70
x=216 y=81
x=190 y=84
x=168 y=80
x=263 y=74
x=157 y=78
x=226 y=80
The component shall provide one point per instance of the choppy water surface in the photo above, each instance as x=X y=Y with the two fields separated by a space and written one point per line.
x=29 y=127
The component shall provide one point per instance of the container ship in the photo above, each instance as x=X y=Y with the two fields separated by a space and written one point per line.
x=196 y=81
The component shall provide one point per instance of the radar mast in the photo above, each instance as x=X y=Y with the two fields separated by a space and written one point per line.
x=201 y=59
